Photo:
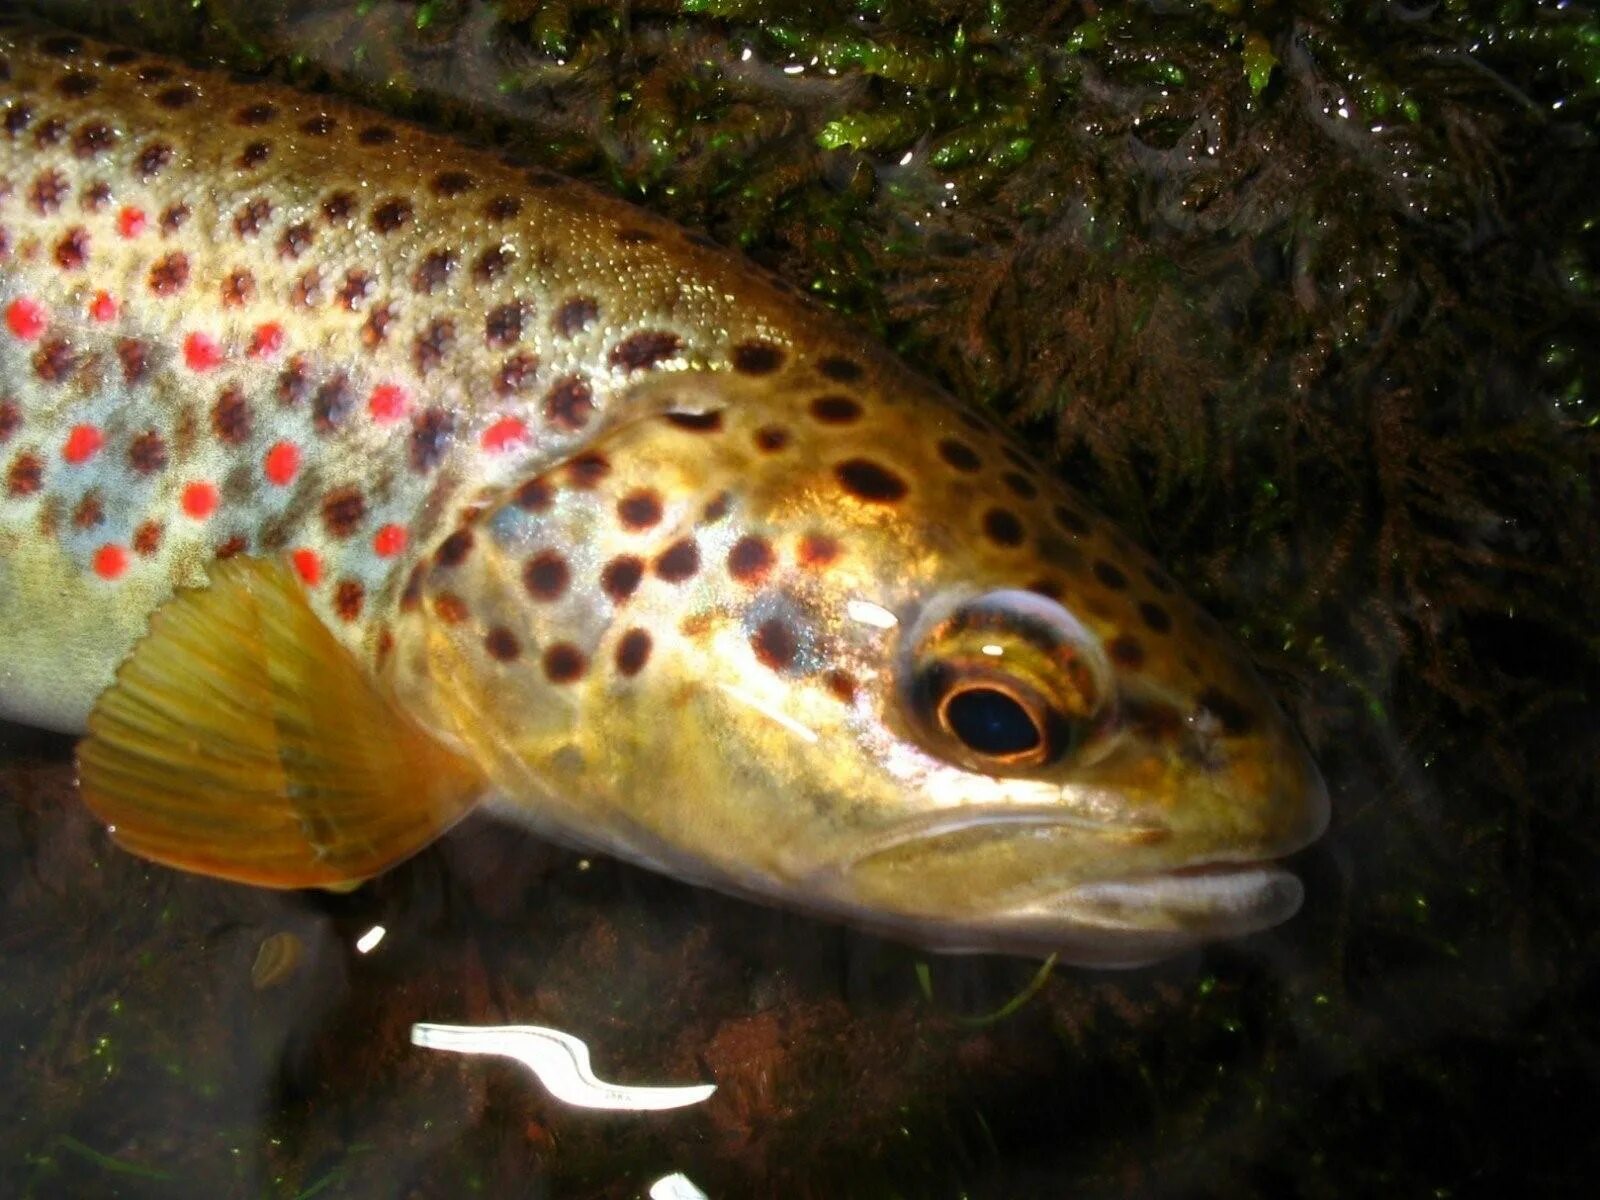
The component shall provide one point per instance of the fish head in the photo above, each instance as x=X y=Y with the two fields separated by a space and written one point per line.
x=860 y=655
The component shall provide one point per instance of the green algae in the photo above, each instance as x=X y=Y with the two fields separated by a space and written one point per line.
x=1303 y=294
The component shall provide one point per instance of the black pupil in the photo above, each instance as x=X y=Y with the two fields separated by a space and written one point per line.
x=991 y=722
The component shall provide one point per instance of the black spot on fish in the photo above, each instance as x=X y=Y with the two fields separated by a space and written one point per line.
x=546 y=575
x=757 y=358
x=620 y=577
x=1156 y=617
x=1003 y=527
x=1110 y=574
x=633 y=651
x=775 y=644
x=869 y=481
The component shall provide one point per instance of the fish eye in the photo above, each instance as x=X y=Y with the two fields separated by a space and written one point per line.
x=990 y=721
x=1004 y=683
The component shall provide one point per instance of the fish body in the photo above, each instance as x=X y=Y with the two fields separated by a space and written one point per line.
x=350 y=477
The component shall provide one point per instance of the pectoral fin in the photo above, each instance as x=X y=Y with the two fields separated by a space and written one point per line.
x=242 y=740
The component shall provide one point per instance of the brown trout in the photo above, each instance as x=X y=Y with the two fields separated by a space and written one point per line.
x=351 y=478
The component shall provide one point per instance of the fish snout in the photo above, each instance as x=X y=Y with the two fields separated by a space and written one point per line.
x=1166 y=840
x=1263 y=798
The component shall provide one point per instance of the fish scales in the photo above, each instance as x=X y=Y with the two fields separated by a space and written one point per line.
x=242 y=319
x=350 y=476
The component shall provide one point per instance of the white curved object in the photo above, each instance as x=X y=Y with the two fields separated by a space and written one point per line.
x=676 y=1186
x=561 y=1061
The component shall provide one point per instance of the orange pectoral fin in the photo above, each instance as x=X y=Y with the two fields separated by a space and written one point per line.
x=240 y=739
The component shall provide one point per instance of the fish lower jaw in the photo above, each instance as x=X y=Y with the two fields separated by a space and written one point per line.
x=1116 y=923
x=1208 y=900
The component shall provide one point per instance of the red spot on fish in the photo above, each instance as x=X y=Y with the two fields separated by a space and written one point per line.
x=82 y=443
x=818 y=550
x=103 y=307
x=200 y=500
x=201 y=351
x=388 y=402
x=389 y=541
x=131 y=221
x=110 y=561
x=26 y=318
x=282 y=463
x=504 y=434
x=267 y=340
x=307 y=565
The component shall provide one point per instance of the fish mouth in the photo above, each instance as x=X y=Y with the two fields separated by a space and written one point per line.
x=1133 y=920
x=1027 y=883
x=1123 y=922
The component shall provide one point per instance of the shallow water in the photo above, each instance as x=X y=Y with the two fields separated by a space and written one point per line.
x=1305 y=298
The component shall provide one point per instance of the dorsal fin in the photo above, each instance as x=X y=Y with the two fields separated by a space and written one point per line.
x=240 y=739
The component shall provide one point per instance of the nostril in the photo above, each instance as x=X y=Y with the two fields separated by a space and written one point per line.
x=1233 y=714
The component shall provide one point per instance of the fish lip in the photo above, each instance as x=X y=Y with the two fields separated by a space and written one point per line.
x=1133 y=921
x=1119 y=922
x=1211 y=899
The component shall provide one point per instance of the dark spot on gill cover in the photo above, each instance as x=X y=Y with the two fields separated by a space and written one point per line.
x=502 y=644
x=588 y=469
x=633 y=651
x=536 y=495
x=546 y=575
x=678 y=561
x=775 y=644
x=639 y=509
x=564 y=663
x=620 y=577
